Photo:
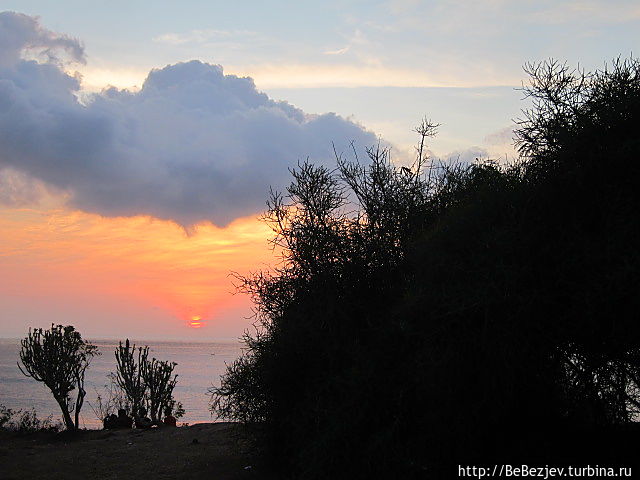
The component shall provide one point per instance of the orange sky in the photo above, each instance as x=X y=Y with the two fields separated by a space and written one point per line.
x=114 y=277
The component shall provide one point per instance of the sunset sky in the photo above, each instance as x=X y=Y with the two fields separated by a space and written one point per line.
x=138 y=140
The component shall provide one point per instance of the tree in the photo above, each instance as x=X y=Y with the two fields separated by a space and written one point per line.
x=343 y=235
x=578 y=148
x=157 y=377
x=59 y=358
x=421 y=316
x=578 y=118
x=145 y=382
x=129 y=373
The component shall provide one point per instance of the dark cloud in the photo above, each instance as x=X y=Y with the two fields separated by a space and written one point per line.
x=193 y=144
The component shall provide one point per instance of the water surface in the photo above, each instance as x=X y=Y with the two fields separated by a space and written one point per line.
x=199 y=367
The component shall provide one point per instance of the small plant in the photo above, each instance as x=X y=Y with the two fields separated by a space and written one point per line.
x=177 y=408
x=6 y=414
x=26 y=421
x=109 y=400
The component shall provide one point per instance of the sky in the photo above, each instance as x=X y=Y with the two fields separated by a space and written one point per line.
x=138 y=140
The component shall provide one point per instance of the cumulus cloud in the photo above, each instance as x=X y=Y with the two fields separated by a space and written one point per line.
x=193 y=144
x=20 y=34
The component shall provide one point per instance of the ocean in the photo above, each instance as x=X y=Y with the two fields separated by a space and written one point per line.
x=199 y=368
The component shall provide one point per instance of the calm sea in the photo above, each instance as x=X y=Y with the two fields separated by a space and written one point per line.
x=199 y=367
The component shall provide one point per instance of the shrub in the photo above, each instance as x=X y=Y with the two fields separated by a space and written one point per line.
x=5 y=415
x=461 y=313
x=26 y=421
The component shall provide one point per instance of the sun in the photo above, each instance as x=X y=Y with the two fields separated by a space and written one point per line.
x=196 y=322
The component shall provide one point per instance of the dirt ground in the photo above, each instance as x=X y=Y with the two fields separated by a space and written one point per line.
x=215 y=451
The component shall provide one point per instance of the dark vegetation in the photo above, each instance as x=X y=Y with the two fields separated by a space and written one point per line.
x=145 y=382
x=26 y=421
x=428 y=316
x=59 y=358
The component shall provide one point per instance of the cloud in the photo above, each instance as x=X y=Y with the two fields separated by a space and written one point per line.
x=193 y=144
x=468 y=155
x=95 y=79
x=18 y=189
x=203 y=36
x=310 y=75
x=371 y=74
x=503 y=136
x=21 y=34
x=588 y=12
x=340 y=51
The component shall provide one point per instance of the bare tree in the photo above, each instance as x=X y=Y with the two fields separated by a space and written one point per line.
x=59 y=358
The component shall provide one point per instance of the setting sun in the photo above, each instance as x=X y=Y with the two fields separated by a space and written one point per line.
x=196 y=322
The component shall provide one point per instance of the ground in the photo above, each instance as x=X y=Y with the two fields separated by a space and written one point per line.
x=209 y=450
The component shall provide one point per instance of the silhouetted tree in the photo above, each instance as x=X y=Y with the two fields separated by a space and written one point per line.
x=157 y=376
x=146 y=382
x=59 y=358
x=579 y=150
x=455 y=313
x=129 y=373
x=339 y=274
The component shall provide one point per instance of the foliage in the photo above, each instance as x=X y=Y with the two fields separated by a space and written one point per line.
x=59 y=358
x=26 y=421
x=157 y=375
x=341 y=271
x=109 y=400
x=146 y=382
x=581 y=152
x=5 y=415
x=177 y=408
x=129 y=373
x=436 y=313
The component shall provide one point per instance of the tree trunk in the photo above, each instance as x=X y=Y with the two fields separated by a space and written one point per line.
x=68 y=421
x=79 y=402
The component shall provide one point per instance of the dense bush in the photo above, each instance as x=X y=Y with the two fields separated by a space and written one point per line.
x=429 y=314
